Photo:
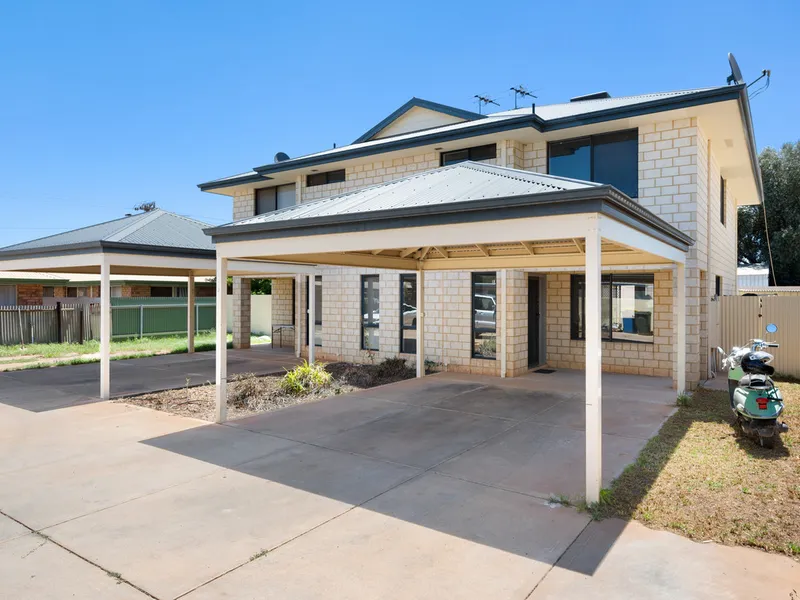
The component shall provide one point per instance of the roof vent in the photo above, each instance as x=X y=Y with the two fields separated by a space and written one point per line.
x=595 y=96
x=281 y=156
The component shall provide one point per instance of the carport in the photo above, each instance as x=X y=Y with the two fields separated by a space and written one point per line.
x=470 y=217
x=152 y=243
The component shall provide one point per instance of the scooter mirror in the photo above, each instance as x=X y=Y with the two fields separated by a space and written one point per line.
x=772 y=328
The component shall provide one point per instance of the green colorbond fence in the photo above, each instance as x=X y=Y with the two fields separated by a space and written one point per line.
x=139 y=317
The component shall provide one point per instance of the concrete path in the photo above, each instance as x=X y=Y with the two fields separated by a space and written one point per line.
x=433 y=488
x=59 y=387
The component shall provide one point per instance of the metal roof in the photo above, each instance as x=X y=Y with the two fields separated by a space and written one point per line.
x=541 y=117
x=155 y=229
x=463 y=192
x=461 y=182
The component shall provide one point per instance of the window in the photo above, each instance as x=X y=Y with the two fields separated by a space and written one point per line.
x=370 y=309
x=325 y=178
x=317 y=312
x=116 y=291
x=8 y=295
x=48 y=291
x=722 y=206
x=611 y=158
x=181 y=292
x=274 y=198
x=408 y=314
x=487 y=152
x=718 y=286
x=626 y=312
x=161 y=291
x=77 y=292
x=484 y=315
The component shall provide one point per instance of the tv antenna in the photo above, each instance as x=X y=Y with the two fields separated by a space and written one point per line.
x=520 y=92
x=483 y=100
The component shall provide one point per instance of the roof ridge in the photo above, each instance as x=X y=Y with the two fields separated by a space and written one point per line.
x=147 y=217
x=46 y=237
x=671 y=92
x=530 y=174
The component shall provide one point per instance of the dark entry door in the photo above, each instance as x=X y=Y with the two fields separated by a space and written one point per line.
x=533 y=322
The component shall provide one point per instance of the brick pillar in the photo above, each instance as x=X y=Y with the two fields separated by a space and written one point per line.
x=241 y=313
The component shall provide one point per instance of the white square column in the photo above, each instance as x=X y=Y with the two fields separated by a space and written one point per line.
x=190 y=315
x=504 y=323
x=105 y=330
x=420 y=323
x=312 y=300
x=221 y=413
x=594 y=388
x=680 y=324
x=298 y=318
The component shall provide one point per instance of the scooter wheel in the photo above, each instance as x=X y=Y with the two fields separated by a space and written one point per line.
x=767 y=442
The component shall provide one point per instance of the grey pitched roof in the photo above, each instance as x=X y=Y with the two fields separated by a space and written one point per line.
x=462 y=182
x=157 y=228
x=542 y=117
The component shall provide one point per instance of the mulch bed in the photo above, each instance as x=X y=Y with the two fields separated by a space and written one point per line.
x=701 y=478
x=250 y=394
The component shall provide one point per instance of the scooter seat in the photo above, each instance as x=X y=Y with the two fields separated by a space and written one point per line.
x=761 y=382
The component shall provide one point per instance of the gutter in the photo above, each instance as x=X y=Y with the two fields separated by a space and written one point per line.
x=93 y=247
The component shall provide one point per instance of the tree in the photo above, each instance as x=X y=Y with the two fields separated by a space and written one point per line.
x=261 y=287
x=780 y=171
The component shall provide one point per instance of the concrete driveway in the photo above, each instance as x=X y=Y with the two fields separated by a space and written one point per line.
x=433 y=488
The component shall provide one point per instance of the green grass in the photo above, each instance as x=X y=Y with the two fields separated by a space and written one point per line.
x=30 y=357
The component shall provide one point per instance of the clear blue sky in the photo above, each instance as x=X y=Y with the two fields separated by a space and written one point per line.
x=105 y=104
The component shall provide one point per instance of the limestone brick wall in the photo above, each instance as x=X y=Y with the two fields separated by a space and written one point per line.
x=722 y=238
x=534 y=157
x=241 y=313
x=244 y=205
x=618 y=357
x=29 y=294
x=517 y=323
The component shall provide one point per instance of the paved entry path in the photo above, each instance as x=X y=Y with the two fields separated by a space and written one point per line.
x=432 y=488
x=59 y=387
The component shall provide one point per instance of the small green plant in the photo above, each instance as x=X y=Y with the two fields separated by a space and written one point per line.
x=595 y=509
x=561 y=499
x=794 y=549
x=259 y=554
x=684 y=399
x=305 y=378
x=188 y=380
x=370 y=355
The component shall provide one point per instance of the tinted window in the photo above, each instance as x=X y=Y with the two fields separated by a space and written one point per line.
x=487 y=152
x=285 y=196
x=266 y=200
x=616 y=161
x=337 y=176
x=571 y=159
x=722 y=200
x=370 y=309
x=408 y=313
x=627 y=306
x=484 y=315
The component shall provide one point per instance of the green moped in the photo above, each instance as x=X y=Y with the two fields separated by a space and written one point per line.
x=755 y=400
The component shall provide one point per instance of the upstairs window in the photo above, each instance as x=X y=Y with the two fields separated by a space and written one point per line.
x=722 y=207
x=274 y=198
x=626 y=307
x=325 y=178
x=486 y=152
x=611 y=158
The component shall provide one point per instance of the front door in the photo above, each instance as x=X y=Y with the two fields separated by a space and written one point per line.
x=533 y=322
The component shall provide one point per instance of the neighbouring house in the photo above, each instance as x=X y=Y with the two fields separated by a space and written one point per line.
x=441 y=191
x=37 y=289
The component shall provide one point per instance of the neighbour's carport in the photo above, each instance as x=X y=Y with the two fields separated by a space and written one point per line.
x=466 y=217
x=153 y=243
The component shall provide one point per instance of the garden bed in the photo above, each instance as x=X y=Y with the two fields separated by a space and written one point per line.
x=250 y=394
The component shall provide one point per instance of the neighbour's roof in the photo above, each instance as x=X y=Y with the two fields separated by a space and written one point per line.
x=455 y=193
x=22 y=276
x=757 y=269
x=157 y=229
x=543 y=118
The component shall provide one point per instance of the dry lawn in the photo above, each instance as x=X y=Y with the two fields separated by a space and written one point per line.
x=701 y=478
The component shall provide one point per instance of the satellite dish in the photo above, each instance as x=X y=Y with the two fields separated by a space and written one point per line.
x=736 y=72
x=281 y=156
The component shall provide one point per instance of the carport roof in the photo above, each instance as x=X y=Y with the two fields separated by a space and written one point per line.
x=464 y=192
x=156 y=232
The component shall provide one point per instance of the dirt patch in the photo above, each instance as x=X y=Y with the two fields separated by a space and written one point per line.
x=249 y=394
x=701 y=478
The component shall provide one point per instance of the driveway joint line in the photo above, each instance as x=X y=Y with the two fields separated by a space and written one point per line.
x=556 y=561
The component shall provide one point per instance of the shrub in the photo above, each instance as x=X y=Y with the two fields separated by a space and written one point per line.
x=247 y=388
x=305 y=378
x=684 y=399
x=392 y=368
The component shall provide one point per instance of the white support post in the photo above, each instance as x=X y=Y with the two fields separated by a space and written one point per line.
x=190 y=314
x=298 y=319
x=222 y=341
x=312 y=300
x=105 y=330
x=420 y=323
x=594 y=390
x=680 y=324
x=504 y=324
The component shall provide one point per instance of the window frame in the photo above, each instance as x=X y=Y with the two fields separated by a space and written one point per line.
x=469 y=152
x=473 y=274
x=364 y=325
x=327 y=176
x=403 y=278
x=718 y=286
x=317 y=313
x=634 y=132
x=275 y=194
x=722 y=204
x=606 y=278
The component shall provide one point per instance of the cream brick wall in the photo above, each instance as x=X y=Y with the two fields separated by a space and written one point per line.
x=244 y=205
x=241 y=313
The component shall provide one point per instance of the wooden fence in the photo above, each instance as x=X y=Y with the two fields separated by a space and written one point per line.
x=733 y=320
x=71 y=323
